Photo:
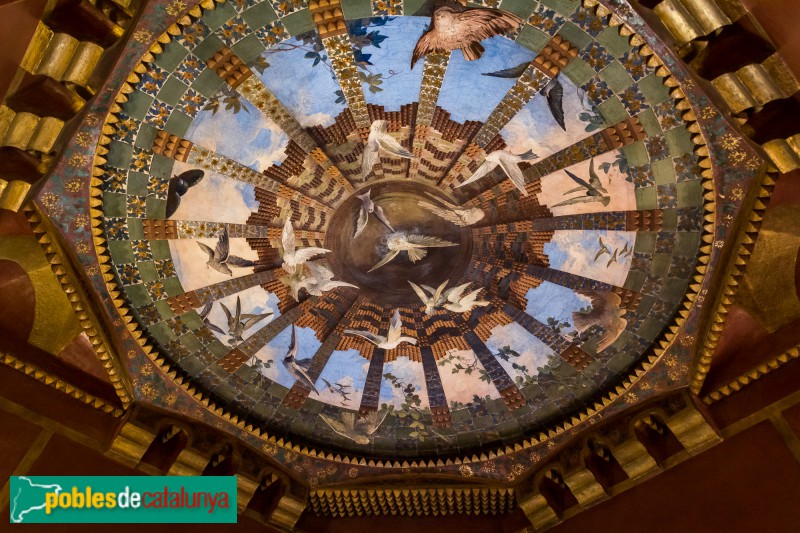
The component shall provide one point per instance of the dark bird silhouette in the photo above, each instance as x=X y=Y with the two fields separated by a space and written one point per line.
x=592 y=191
x=603 y=249
x=553 y=91
x=219 y=258
x=455 y=27
x=298 y=368
x=178 y=186
x=238 y=323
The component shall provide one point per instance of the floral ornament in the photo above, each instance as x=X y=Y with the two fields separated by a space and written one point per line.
x=708 y=112
x=635 y=64
x=158 y=114
x=687 y=167
x=126 y=129
x=73 y=185
x=137 y=206
x=81 y=220
x=83 y=139
x=93 y=270
x=657 y=147
x=269 y=449
x=116 y=228
x=194 y=34
x=83 y=248
x=596 y=56
x=272 y=34
x=51 y=204
x=78 y=160
x=597 y=91
x=129 y=274
x=175 y=8
x=668 y=115
x=141 y=250
x=149 y=391
x=141 y=159
x=729 y=141
x=352 y=472
x=737 y=193
x=466 y=471
x=156 y=289
x=143 y=36
x=92 y=119
x=233 y=31
x=641 y=176
x=191 y=102
x=589 y=22
x=690 y=219
x=153 y=80
x=383 y=8
x=546 y=20
x=737 y=157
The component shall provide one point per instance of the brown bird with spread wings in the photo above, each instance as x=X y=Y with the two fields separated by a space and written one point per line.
x=606 y=313
x=456 y=27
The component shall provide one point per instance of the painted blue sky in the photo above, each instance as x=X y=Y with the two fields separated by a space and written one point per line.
x=306 y=90
x=347 y=369
x=215 y=198
x=534 y=127
x=393 y=60
x=276 y=350
x=468 y=95
x=533 y=353
x=248 y=136
x=551 y=300
x=408 y=372
x=574 y=251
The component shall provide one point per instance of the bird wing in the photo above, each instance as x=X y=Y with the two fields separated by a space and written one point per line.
x=238 y=308
x=173 y=201
x=390 y=144
x=426 y=44
x=613 y=258
x=395 y=327
x=206 y=309
x=613 y=331
x=454 y=295
x=292 y=351
x=304 y=254
x=206 y=249
x=513 y=72
x=252 y=320
x=361 y=222
x=483 y=169
x=223 y=246
x=446 y=214
x=605 y=306
x=386 y=258
x=287 y=236
x=369 y=157
x=426 y=241
x=419 y=291
x=368 y=335
x=374 y=420
x=337 y=425
x=475 y=25
x=594 y=179
x=602 y=251
x=237 y=261
x=191 y=177
x=319 y=272
x=382 y=217
x=437 y=295
x=440 y=200
x=554 y=92
x=580 y=200
x=213 y=327
x=514 y=173
x=231 y=321
x=578 y=180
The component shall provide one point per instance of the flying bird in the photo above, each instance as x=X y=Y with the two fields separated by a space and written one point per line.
x=508 y=162
x=460 y=216
x=368 y=208
x=178 y=186
x=293 y=256
x=379 y=139
x=356 y=429
x=298 y=369
x=613 y=258
x=592 y=191
x=414 y=245
x=606 y=313
x=219 y=258
x=433 y=298
x=553 y=91
x=457 y=302
x=603 y=249
x=393 y=338
x=295 y=282
x=455 y=27
x=321 y=280
x=626 y=250
x=238 y=323
x=207 y=321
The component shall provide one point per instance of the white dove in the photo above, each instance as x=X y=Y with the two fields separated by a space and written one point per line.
x=321 y=280
x=379 y=139
x=432 y=300
x=414 y=245
x=458 y=303
x=393 y=338
x=292 y=256
x=460 y=216
x=508 y=162
x=368 y=207
x=359 y=429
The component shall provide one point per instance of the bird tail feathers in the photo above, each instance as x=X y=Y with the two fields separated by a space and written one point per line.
x=472 y=51
x=415 y=254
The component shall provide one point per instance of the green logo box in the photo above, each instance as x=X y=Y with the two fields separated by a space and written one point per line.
x=123 y=499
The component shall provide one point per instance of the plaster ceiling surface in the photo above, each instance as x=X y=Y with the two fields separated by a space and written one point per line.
x=248 y=126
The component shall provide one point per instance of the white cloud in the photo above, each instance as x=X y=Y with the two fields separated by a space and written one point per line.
x=574 y=251
x=461 y=387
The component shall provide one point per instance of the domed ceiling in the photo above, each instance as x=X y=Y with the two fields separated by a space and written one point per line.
x=399 y=230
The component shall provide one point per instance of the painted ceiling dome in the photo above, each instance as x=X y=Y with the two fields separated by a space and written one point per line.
x=506 y=206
